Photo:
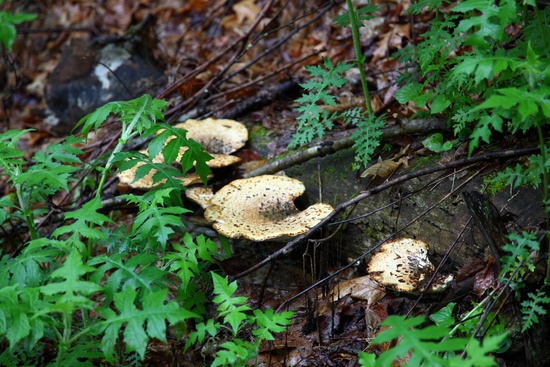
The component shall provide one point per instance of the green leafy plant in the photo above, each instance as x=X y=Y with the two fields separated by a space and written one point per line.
x=429 y=346
x=495 y=84
x=8 y=20
x=235 y=314
x=468 y=69
x=532 y=308
x=63 y=292
x=314 y=121
x=435 y=143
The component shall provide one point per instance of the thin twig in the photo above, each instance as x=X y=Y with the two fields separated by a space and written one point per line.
x=330 y=147
x=241 y=42
x=263 y=77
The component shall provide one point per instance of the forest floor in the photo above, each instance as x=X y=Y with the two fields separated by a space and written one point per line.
x=242 y=60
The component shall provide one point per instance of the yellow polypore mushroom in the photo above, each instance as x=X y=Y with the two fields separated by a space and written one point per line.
x=403 y=265
x=219 y=137
x=262 y=208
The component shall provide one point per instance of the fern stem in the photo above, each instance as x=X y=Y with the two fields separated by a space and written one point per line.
x=128 y=132
x=359 y=58
x=27 y=212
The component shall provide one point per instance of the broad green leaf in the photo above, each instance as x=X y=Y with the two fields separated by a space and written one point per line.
x=444 y=316
x=435 y=143
x=7 y=28
x=367 y=359
x=409 y=92
x=439 y=104
x=16 y=18
x=413 y=93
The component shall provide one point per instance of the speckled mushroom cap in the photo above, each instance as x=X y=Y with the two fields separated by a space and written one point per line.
x=218 y=136
x=222 y=160
x=403 y=265
x=262 y=208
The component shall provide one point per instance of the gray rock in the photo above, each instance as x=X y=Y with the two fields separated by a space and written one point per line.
x=92 y=73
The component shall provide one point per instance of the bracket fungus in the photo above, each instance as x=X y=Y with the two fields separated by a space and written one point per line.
x=403 y=266
x=219 y=137
x=262 y=208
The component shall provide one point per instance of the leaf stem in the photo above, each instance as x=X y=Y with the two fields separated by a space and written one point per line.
x=126 y=134
x=359 y=58
x=24 y=207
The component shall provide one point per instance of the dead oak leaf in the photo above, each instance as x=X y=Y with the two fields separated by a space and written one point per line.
x=361 y=288
x=391 y=40
x=246 y=11
x=486 y=278
x=384 y=168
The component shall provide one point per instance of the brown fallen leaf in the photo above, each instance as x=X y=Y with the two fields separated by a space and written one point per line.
x=246 y=11
x=362 y=288
x=486 y=278
x=381 y=169
x=384 y=168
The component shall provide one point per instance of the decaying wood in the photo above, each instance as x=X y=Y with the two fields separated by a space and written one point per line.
x=488 y=157
x=355 y=261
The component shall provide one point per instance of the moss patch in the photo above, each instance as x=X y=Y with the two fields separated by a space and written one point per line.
x=493 y=186
x=257 y=131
